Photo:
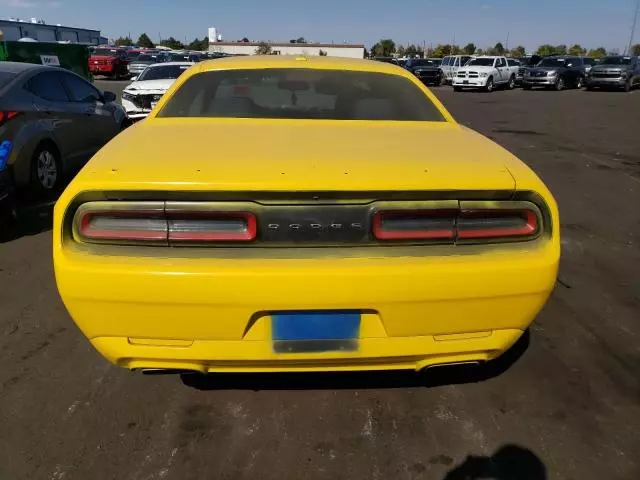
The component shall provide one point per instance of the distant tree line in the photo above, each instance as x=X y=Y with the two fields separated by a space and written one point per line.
x=387 y=48
x=145 y=42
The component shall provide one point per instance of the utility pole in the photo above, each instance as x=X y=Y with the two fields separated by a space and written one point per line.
x=633 y=28
x=506 y=45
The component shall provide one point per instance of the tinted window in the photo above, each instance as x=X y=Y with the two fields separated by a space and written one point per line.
x=464 y=60
x=513 y=63
x=445 y=61
x=145 y=58
x=165 y=71
x=589 y=61
x=615 y=61
x=48 y=86
x=301 y=94
x=576 y=61
x=481 y=62
x=6 y=77
x=80 y=90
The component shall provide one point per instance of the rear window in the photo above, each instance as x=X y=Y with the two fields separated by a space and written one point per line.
x=301 y=94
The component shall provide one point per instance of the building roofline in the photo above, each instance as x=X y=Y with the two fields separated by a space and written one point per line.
x=6 y=21
x=287 y=44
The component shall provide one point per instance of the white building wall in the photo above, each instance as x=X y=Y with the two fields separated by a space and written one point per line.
x=289 y=49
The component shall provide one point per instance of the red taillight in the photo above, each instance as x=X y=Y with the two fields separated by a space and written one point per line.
x=475 y=223
x=497 y=224
x=151 y=223
x=6 y=116
x=414 y=225
x=212 y=227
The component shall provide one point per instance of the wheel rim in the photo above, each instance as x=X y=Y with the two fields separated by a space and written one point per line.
x=47 y=170
x=560 y=84
x=579 y=82
x=512 y=83
x=490 y=85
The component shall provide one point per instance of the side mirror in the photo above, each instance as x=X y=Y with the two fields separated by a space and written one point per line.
x=109 y=97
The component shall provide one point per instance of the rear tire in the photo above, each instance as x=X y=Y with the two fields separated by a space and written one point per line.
x=580 y=82
x=46 y=169
x=512 y=83
x=627 y=86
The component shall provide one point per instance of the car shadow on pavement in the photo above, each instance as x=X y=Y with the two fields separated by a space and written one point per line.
x=433 y=377
x=509 y=462
x=33 y=218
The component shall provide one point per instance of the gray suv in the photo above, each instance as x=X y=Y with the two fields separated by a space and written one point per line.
x=51 y=122
x=615 y=72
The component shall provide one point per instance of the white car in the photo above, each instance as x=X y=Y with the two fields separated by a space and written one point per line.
x=141 y=96
x=485 y=73
x=451 y=64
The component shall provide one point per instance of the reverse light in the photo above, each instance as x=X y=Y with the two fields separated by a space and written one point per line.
x=414 y=225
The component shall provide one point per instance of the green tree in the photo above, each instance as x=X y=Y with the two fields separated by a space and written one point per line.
x=401 y=51
x=144 y=41
x=635 y=50
x=577 y=50
x=597 y=52
x=469 y=48
x=199 y=45
x=442 y=50
x=546 y=50
x=263 y=49
x=480 y=51
x=122 y=41
x=560 y=50
x=613 y=52
x=414 y=51
x=172 y=43
x=498 y=49
x=518 y=52
x=384 y=48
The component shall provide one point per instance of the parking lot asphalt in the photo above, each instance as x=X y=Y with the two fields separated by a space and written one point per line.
x=563 y=405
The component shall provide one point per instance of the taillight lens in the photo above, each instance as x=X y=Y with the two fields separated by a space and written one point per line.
x=497 y=224
x=414 y=225
x=151 y=223
x=502 y=221
x=7 y=115
x=212 y=227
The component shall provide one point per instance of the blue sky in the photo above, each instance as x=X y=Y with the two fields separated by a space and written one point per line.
x=527 y=22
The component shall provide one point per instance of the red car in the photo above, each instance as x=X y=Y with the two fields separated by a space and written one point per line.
x=109 y=62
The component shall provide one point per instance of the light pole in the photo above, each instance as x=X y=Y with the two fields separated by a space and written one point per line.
x=633 y=27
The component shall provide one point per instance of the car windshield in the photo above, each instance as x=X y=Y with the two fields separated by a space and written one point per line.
x=105 y=52
x=145 y=58
x=553 y=62
x=480 y=62
x=301 y=94
x=424 y=62
x=162 y=71
x=616 y=61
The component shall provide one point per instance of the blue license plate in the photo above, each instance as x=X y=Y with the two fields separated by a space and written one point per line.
x=315 y=331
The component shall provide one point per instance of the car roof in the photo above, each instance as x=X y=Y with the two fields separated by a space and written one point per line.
x=172 y=64
x=299 y=61
x=19 y=67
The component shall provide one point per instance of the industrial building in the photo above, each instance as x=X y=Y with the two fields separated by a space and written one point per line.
x=217 y=45
x=15 y=29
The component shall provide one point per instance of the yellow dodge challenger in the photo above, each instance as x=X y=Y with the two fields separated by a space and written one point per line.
x=279 y=214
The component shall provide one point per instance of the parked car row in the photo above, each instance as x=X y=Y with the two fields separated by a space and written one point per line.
x=554 y=72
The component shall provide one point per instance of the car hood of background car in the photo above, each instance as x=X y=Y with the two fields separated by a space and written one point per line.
x=609 y=68
x=296 y=155
x=545 y=69
x=162 y=84
x=476 y=68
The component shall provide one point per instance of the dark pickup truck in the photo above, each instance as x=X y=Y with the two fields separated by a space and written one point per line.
x=615 y=72
x=526 y=62
x=426 y=69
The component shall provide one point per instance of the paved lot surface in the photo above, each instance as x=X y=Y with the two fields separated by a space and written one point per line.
x=565 y=406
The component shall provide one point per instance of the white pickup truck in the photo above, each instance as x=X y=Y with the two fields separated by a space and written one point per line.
x=485 y=73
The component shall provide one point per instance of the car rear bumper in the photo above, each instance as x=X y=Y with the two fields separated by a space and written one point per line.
x=214 y=314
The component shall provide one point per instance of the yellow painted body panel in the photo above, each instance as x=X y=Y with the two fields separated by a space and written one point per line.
x=208 y=309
